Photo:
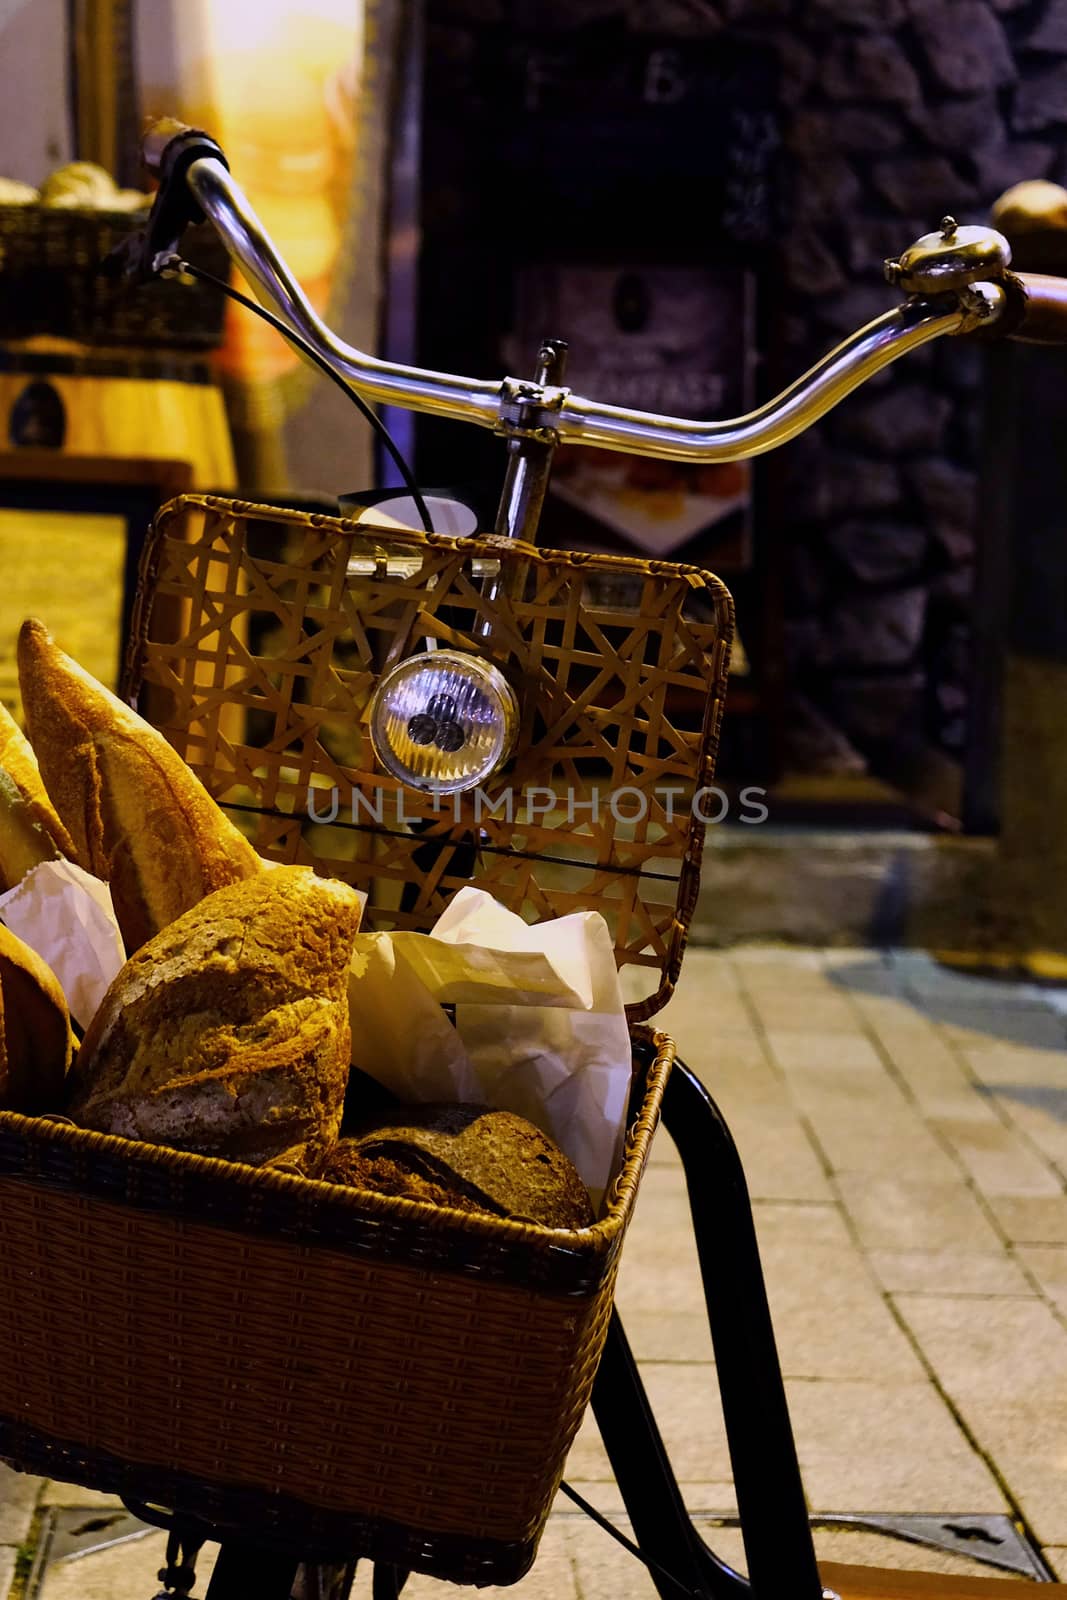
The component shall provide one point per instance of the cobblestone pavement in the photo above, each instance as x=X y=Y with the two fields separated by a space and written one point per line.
x=904 y=1132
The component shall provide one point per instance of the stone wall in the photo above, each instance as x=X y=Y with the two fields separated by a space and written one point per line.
x=899 y=111
x=894 y=112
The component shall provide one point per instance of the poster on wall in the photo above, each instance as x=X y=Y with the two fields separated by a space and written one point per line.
x=667 y=339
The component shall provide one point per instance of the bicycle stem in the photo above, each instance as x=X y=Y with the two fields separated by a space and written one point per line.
x=953 y=301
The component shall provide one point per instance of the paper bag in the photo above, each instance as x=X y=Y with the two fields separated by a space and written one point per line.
x=65 y=914
x=539 y=1023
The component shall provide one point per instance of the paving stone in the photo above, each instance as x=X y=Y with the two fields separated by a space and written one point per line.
x=1048 y=1263
x=1031 y=1219
x=18 y=1500
x=685 y=1400
x=655 y=1336
x=1027 y=1443
x=999 y=1160
x=884 y=1137
x=1041 y=1114
x=789 y=957
x=125 y=1572
x=1011 y=1349
x=924 y=975
x=7 y=1570
x=977 y=1028
x=779 y=1161
x=1056 y=1557
x=810 y=1309
x=932 y=1069
x=817 y=1010
x=717 y=1014
x=552 y=1576
x=1022 y=1066
x=850 y=1053
x=603 y=1569
x=799 y=1225
x=908 y=1214
x=895 y=1447
x=72 y=1494
x=950 y=1272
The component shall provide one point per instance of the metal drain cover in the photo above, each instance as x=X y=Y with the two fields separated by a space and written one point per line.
x=992 y=1539
x=67 y=1532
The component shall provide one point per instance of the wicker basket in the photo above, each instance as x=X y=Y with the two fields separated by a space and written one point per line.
x=49 y=283
x=340 y=1372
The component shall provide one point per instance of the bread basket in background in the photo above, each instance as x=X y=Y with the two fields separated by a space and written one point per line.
x=353 y=1372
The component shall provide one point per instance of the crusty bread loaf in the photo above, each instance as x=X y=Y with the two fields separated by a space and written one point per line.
x=140 y=819
x=35 y=1036
x=471 y=1158
x=228 y=1032
x=37 y=815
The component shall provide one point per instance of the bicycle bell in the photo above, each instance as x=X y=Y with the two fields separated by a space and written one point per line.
x=950 y=259
x=443 y=720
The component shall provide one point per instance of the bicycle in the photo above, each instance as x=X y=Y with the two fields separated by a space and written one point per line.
x=518 y=627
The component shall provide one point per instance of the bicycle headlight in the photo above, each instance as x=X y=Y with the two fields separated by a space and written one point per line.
x=443 y=721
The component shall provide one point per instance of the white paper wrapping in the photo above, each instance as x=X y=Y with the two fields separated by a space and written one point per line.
x=540 y=1027
x=65 y=914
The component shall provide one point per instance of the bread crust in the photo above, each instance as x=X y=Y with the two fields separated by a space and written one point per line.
x=19 y=762
x=139 y=818
x=35 y=1038
x=228 y=1032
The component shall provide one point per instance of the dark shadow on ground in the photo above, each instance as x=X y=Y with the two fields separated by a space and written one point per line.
x=1015 y=1019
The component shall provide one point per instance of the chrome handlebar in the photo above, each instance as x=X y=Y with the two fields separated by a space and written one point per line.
x=943 y=273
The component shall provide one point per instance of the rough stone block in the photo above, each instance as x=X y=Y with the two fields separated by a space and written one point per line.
x=812 y=266
x=929 y=184
x=845 y=484
x=948 y=492
x=853 y=128
x=965 y=45
x=1042 y=100
x=826 y=190
x=846 y=312
x=998 y=169
x=907 y=418
x=1051 y=32
x=877 y=630
x=963 y=124
x=879 y=552
x=875 y=14
x=870 y=68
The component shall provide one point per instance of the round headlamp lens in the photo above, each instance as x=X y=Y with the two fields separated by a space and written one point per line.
x=443 y=720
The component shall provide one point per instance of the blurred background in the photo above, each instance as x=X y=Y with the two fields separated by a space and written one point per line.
x=698 y=195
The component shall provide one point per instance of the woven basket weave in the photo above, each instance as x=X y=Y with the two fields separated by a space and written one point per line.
x=339 y=1372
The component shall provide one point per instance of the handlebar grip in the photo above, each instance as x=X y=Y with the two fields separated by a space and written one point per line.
x=158 y=134
x=169 y=148
x=1037 y=308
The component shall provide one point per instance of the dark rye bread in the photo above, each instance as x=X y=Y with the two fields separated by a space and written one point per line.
x=469 y=1157
x=228 y=1033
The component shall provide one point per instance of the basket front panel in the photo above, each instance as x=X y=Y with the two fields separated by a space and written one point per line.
x=363 y=1387
x=259 y=642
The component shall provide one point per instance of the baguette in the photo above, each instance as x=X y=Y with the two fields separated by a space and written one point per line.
x=35 y=1038
x=139 y=818
x=228 y=1033
x=37 y=818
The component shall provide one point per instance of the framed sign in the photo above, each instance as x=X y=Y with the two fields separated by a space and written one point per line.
x=670 y=339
